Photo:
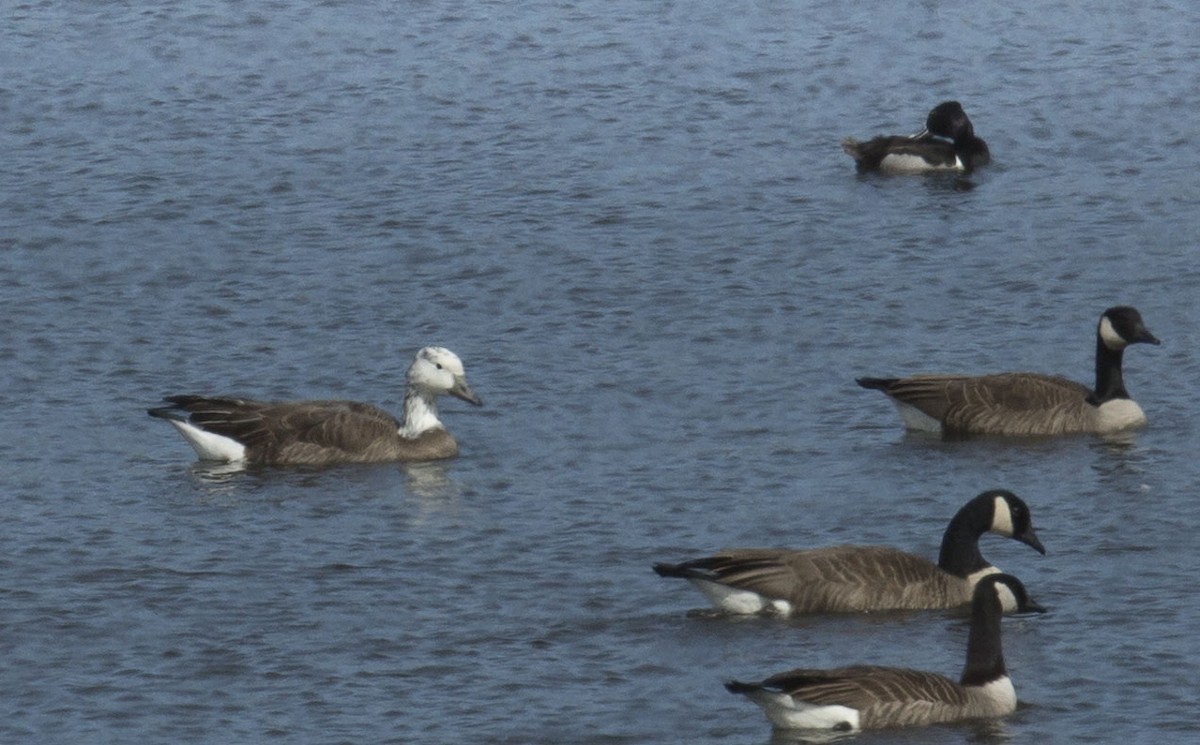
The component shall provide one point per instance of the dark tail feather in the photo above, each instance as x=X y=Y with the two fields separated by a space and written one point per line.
x=168 y=412
x=181 y=407
x=881 y=384
x=737 y=686
x=708 y=568
x=672 y=570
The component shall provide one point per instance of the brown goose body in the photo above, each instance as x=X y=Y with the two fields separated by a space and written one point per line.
x=889 y=696
x=834 y=579
x=310 y=433
x=876 y=697
x=320 y=433
x=1027 y=404
x=849 y=579
x=1012 y=404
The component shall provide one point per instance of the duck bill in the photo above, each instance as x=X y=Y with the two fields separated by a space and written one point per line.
x=463 y=391
x=1030 y=539
x=1031 y=606
x=1145 y=337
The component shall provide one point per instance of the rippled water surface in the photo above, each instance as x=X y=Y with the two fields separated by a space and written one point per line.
x=634 y=223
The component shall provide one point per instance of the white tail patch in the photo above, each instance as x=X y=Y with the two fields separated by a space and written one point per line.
x=916 y=419
x=209 y=446
x=733 y=600
x=1002 y=520
x=786 y=712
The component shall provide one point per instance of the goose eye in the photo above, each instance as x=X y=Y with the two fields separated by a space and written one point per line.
x=439 y=365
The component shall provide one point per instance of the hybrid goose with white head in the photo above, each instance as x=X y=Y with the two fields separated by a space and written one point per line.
x=860 y=697
x=847 y=579
x=1028 y=404
x=317 y=433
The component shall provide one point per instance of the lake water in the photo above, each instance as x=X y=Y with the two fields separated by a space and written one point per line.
x=634 y=223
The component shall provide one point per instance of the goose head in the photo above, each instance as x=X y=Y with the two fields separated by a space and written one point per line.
x=1008 y=591
x=437 y=370
x=1121 y=326
x=1011 y=518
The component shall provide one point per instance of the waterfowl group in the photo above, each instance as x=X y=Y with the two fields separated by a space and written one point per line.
x=837 y=579
x=320 y=433
x=845 y=579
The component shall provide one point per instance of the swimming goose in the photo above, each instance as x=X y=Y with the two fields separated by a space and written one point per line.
x=923 y=152
x=1027 y=403
x=325 y=432
x=861 y=578
x=862 y=697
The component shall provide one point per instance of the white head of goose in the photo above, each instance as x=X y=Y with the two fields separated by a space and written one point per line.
x=1027 y=404
x=847 y=579
x=849 y=699
x=325 y=432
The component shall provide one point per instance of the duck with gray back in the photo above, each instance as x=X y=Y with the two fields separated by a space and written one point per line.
x=1027 y=404
x=318 y=433
x=924 y=152
x=848 y=699
x=848 y=579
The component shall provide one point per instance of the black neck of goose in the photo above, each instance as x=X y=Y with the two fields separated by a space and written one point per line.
x=985 y=658
x=960 y=543
x=1109 y=382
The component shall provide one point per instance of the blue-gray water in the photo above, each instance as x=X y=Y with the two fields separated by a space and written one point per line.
x=634 y=223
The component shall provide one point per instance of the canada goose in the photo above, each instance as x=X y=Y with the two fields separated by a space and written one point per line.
x=1027 y=403
x=861 y=578
x=325 y=432
x=847 y=699
x=923 y=152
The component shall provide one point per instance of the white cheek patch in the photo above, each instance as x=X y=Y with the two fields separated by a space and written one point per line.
x=1008 y=600
x=1002 y=520
x=1109 y=335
